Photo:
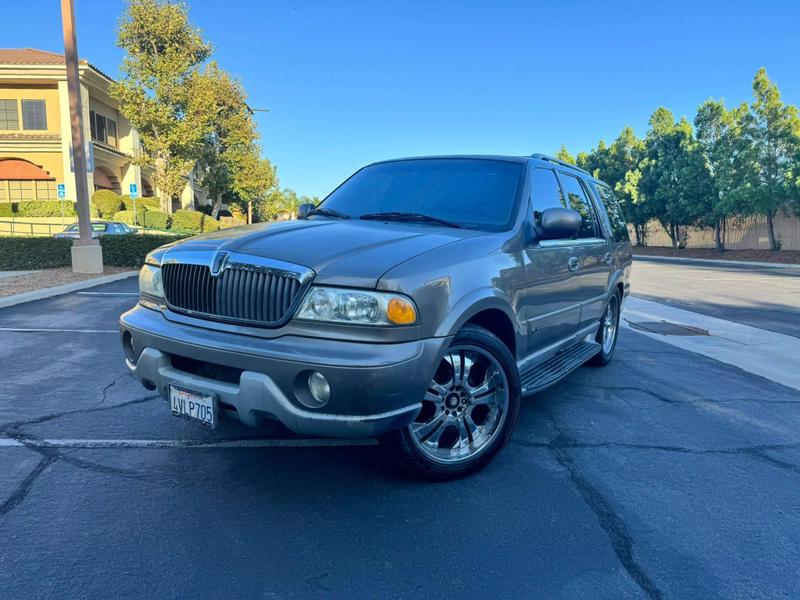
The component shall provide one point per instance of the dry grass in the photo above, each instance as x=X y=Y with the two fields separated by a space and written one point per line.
x=37 y=280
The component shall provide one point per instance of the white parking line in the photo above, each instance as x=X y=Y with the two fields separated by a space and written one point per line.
x=107 y=293
x=758 y=351
x=47 y=330
x=249 y=443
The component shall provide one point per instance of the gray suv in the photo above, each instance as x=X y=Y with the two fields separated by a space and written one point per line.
x=416 y=304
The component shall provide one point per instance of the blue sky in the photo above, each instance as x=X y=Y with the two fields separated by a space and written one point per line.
x=348 y=83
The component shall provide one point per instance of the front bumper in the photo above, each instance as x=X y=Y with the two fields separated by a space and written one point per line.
x=375 y=388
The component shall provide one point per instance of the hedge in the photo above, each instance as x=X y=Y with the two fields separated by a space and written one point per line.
x=130 y=250
x=107 y=203
x=25 y=253
x=44 y=208
x=209 y=225
x=188 y=220
x=153 y=219
x=226 y=222
x=6 y=209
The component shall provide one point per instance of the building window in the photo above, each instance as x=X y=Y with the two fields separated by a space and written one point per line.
x=111 y=133
x=9 y=116
x=92 y=128
x=100 y=128
x=34 y=115
x=20 y=190
x=46 y=190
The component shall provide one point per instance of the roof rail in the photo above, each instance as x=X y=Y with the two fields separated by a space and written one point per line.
x=558 y=161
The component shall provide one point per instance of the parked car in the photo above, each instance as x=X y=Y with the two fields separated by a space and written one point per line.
x=98 y=228
x=416 y=304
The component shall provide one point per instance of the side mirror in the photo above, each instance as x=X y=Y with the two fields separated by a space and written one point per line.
x=304 y=209
x=559 y=224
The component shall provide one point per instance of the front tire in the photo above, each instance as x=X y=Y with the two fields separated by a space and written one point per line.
x=468 y=413
x=608 y=331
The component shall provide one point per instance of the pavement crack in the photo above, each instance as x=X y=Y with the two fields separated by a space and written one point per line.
x=621 y=540
x=66 y=413
x=116 y=380
x=25 y=486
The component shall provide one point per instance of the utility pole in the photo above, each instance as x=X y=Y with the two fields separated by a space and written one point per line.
x=87 y=255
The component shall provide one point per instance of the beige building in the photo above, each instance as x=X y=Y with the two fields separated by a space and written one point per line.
x=35 y=133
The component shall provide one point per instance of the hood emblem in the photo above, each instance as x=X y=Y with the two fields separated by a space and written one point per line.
x=218 y=263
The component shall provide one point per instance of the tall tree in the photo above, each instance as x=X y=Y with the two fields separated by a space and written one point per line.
x=675 y=181
x=163 y=92
x=774 y=132
x=727 y=153
x=563 y=154
x=252 y=180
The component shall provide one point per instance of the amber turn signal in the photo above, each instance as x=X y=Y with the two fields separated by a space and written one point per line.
x=401 y=312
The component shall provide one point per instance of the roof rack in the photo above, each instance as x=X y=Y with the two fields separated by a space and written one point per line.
x=558 y=161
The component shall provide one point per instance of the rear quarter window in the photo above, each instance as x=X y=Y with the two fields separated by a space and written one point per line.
x=619 y=228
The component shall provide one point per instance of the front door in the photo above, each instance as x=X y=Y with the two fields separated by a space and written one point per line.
x=592 y=251
x=551 y=300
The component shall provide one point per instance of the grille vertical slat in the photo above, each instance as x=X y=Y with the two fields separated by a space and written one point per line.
x=237 y=294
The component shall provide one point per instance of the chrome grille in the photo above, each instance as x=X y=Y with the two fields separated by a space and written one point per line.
x=243 y=293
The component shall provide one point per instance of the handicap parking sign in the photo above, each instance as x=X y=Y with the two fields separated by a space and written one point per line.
x=62 y=191
x=134 y=190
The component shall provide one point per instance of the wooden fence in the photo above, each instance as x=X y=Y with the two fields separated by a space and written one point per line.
x=746 y=233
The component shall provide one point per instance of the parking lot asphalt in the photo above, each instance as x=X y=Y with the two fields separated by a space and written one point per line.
x=665 y=474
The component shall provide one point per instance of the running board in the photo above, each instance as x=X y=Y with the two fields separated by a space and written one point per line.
x=557 y=366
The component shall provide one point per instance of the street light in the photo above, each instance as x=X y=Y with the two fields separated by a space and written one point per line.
x=87 y=255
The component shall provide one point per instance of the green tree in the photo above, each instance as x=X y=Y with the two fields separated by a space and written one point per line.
x=563 y=154
x=163 y=91
x=674 y=181
x=727 y=152
x=773 y=129
x=252 y=180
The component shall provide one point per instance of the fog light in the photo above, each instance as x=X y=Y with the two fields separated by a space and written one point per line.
x=319 y=388
x=128 y=347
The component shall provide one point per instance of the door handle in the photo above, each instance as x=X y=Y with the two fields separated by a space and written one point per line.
x=573 y=263
x=607 y=257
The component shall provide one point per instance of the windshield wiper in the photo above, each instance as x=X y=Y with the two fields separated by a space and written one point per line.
x=327 y=212
x=409 y=216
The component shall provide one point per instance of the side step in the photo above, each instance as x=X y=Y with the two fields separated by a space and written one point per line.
x=557 y=366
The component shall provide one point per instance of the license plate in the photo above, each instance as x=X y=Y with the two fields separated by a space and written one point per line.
x=194 y=406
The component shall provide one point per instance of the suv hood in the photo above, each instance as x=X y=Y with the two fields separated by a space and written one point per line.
x=347 y=253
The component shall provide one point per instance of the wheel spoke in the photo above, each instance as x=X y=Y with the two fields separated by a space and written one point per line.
x=436 y=435
x=431 y=397
x=438 y=388
x=425 y=429
x=463 y=436
x=472 y=429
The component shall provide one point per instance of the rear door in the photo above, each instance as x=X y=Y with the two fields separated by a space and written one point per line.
x=592 y=250
x=552 y=299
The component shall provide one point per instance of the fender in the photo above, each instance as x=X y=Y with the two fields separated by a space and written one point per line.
x=474 y=302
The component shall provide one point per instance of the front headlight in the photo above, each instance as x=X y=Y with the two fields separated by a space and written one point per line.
x=150 y=281
x=359 y=307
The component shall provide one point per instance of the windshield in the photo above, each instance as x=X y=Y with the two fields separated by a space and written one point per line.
x=473 y=193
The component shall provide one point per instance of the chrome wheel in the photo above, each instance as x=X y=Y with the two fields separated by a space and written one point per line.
x=609 y=324
x=465 y=406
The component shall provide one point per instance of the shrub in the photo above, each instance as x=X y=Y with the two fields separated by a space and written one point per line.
x=130 y=250
x=152 y=202
x=107 y=203
x=6 y=209
x=189 y=221
x=209 y=225
x=155 y=219
x=24 y=253
x=124 y=216
x=44 y=208
x=226 y=222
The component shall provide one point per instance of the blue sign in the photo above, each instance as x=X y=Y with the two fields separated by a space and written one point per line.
x=62 y=191
x=134 y=190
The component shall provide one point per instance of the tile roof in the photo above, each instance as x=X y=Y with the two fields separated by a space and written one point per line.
x=33 y=56
x=30 y=56
x=16 y=168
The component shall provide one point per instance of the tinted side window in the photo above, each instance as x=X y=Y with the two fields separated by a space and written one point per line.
x=545 y=192
x=577 y=201
x=619 y=229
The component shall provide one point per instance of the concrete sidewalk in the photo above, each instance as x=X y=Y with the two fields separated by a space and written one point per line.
x=59 y=290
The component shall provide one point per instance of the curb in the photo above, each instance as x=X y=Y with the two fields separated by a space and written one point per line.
x=713 y=261
x=59 y=290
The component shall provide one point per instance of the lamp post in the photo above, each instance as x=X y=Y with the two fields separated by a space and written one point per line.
x=87 y=256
